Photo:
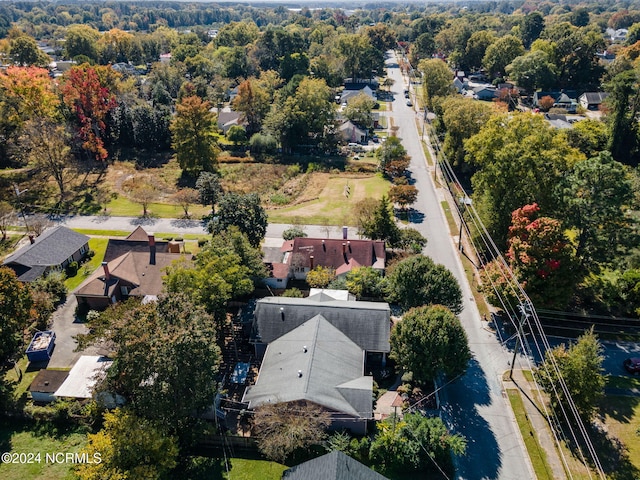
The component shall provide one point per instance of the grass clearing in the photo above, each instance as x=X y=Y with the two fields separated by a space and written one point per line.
x=19 y=439
x=332 y=206
x=536 y=453
x=123 y=207
x=243 y=469
x=98 y=245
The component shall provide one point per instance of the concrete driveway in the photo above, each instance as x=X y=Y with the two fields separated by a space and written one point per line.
x=66 y=325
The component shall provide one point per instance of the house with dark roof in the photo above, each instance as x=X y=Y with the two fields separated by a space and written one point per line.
x=46 y=384
x=342 y=255
x=592 y=100
x=331 y=466
x=367 y=324
x=316 y=362
x=54 y=250
x=562 y=99
x=131 y=268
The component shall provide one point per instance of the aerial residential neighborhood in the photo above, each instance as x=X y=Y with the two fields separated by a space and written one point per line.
x=342 y=240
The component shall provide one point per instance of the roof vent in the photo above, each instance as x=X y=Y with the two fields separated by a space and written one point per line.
x=299 y=373
x=282 y=313
x=304 y=349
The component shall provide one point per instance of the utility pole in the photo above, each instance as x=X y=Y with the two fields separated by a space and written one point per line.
x=524 y=314
x=18 y=193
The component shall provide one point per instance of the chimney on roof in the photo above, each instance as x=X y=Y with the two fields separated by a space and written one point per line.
x=105 y=267
x=311 y=262
x=152 y=249
x=32 y=240
x=345 y=230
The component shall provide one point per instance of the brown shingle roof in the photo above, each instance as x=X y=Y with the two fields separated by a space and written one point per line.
x=132 y=269
x=341 y=255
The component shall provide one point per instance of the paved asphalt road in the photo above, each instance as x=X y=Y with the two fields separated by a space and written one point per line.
x=173 y=225
x=473 y=405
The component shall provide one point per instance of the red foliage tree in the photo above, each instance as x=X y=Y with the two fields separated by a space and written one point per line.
x=86 y=93
x=541 y=256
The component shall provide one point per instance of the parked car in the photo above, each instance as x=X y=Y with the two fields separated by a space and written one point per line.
x=632 y=365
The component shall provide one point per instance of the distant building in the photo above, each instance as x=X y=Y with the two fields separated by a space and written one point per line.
x=592 y=100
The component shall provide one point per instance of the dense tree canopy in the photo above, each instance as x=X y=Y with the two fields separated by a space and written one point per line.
x=418 y=281
x=580 y=365
x=430 y=340
x=15 y=305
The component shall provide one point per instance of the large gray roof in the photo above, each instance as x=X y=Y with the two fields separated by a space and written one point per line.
x=51 y=248
x=332 y=466
x=318 y=363
x=365 y=323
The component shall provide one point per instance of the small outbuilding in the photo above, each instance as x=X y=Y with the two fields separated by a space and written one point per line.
x=45 y=384
x=84 y=376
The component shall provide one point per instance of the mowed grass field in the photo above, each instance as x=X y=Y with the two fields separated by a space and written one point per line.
x=332 y=205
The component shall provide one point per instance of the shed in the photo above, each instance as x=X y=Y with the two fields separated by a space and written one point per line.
x=84 y=376
x=45 y=384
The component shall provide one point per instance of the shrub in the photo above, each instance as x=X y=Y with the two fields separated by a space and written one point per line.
x=279 y=199
x=91 y=254
x=202 y=242
x=293 y=232
x=72 y=269
x=293 y=293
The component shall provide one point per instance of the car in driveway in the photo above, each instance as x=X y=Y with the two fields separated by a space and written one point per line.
x=632 y=365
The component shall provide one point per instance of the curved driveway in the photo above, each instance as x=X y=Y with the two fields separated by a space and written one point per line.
x=473 y=405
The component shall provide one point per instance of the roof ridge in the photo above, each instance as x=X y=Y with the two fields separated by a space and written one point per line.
x=312 y=350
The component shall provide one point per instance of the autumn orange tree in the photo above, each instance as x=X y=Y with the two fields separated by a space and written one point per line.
x=27 y=92
x=90 y=98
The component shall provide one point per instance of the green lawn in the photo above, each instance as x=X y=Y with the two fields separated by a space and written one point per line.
x=536 y=453
x=332 y=206
x=242 y=469
x=98 y=245
x=123 y=207
x=158 y=235
x=16 y=439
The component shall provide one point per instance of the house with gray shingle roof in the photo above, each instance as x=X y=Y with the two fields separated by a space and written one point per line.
x=54 y=250
x=367 y=324
x=332 y=466
x=318 y=363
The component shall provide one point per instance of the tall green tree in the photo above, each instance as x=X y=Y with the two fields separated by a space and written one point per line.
x=210 y=189
x=501 y=53
x=359 y=110
x=624 y=104
x=532 y=71
x=428 y=341
x=437 y=80
x=580 y=365
x=418 y=280
x=380 y=224
x=531 y=28
x=476 y=48
x=597 y=194
x=81 y=40
x=254 y=102
x=166 y=359
x=461 y=119
x=520 y=159
x=24 y=52
x=244 y=212
x=193 y=130
x=15 y=306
